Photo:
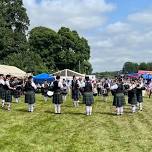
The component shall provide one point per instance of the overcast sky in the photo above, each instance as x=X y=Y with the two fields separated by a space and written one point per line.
x=117 y=30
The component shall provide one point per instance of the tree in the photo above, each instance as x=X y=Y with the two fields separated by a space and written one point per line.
x=27 y=61
x=143 y=66
x=130 y=67
x=61 y=50
x=14 y=23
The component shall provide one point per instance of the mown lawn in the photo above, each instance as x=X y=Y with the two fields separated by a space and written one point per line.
x=72 y=131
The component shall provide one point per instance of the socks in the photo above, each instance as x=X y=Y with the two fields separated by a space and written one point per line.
x=88 y=110
x=57 y=108
x=3 y=103
x=30 y=107
x=133 y=108
x=76 y=104
x=16 y=99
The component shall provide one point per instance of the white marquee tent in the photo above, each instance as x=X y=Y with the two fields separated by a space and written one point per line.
x=12 y=70
x=68 y=74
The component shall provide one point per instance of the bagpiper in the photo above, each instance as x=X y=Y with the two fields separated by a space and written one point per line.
x=57 y=95
x=30 y=88
x=132 y=96
x=75 y=91
x=88 y=96
x=8 y=92
x=119 y=97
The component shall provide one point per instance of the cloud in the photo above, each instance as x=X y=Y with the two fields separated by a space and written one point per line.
x=77 y=14
x=112 y=44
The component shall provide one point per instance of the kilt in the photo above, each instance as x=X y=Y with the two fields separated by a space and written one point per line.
x=139 y=98
x=57 y=98
x=88 y=98
x=132 y=99
x=30 y=97
x=8 y=96
x=75 y=95
x=119 y=100
x=16 y=93
x=2 y=93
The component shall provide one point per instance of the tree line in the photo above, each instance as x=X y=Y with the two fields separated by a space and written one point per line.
x=131 y=67
x=41 y=49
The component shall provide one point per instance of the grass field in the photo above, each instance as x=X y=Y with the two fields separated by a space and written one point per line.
x=72 y=131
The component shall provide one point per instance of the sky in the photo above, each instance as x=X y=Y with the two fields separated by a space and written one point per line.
x=117 y=31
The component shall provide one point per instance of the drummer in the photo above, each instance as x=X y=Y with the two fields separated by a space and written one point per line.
x=57 y=96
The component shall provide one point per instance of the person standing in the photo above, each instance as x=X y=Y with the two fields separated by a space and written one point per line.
x=132 y=96
x=88 y=96
x=30 y=88
x=16 y=92
x=44 y=90
x=2 y=90
x=57 y=96
x=8 y=92
x=119 y=97
x=75 y=91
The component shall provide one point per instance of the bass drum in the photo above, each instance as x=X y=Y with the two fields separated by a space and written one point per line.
x=50 y=93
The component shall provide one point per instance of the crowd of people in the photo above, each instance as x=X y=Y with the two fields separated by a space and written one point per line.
x=78 y=87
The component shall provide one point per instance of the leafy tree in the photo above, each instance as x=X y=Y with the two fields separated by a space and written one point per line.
x=130 y=67
x=14 y=23
x=143 y=66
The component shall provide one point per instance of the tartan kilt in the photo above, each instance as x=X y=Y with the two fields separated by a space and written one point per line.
x=30 y=97
x=132 y=100
x=88 y=98
x=16 y=93
x=57 y=98
x=139 y=98
x=8 y=96
x=2 y=93
x=75 y=95
x=119 y=100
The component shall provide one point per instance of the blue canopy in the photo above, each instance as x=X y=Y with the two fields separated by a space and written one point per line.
x=40 y=78
x=147 y=76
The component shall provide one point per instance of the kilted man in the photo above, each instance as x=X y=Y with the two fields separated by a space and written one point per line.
x=57 y=96
x=16 y=92
x=44 y=90
x=140 y=87
x=88 y=96
x=29 y=89
x=8 y=92
x=105 y=90
x=64 y=91
x=132 y=96
x=119 y=97
x=2 y=90
x=75 y=91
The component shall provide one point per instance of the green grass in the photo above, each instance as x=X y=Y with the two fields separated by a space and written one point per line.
x=72 y=131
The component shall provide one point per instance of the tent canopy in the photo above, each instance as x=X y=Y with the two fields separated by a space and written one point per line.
x=68 y=73
x=40 y=78
x=12 y=70
x=147 y=76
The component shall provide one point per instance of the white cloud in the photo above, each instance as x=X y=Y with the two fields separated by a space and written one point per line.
x=77 y=14
x=111 y=44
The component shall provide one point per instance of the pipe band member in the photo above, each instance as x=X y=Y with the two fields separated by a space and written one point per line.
x=30 y=89
x=44 y=90
x=57 y=96
x=88 y=96
x=132 y=96
x=8 y=92
x=2 y=89
x=75 y=91
x=16 y=92
x=140 y=87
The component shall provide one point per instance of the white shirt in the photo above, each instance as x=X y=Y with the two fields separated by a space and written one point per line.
x=115 y=86
x=2 y=82
x=33 y=85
